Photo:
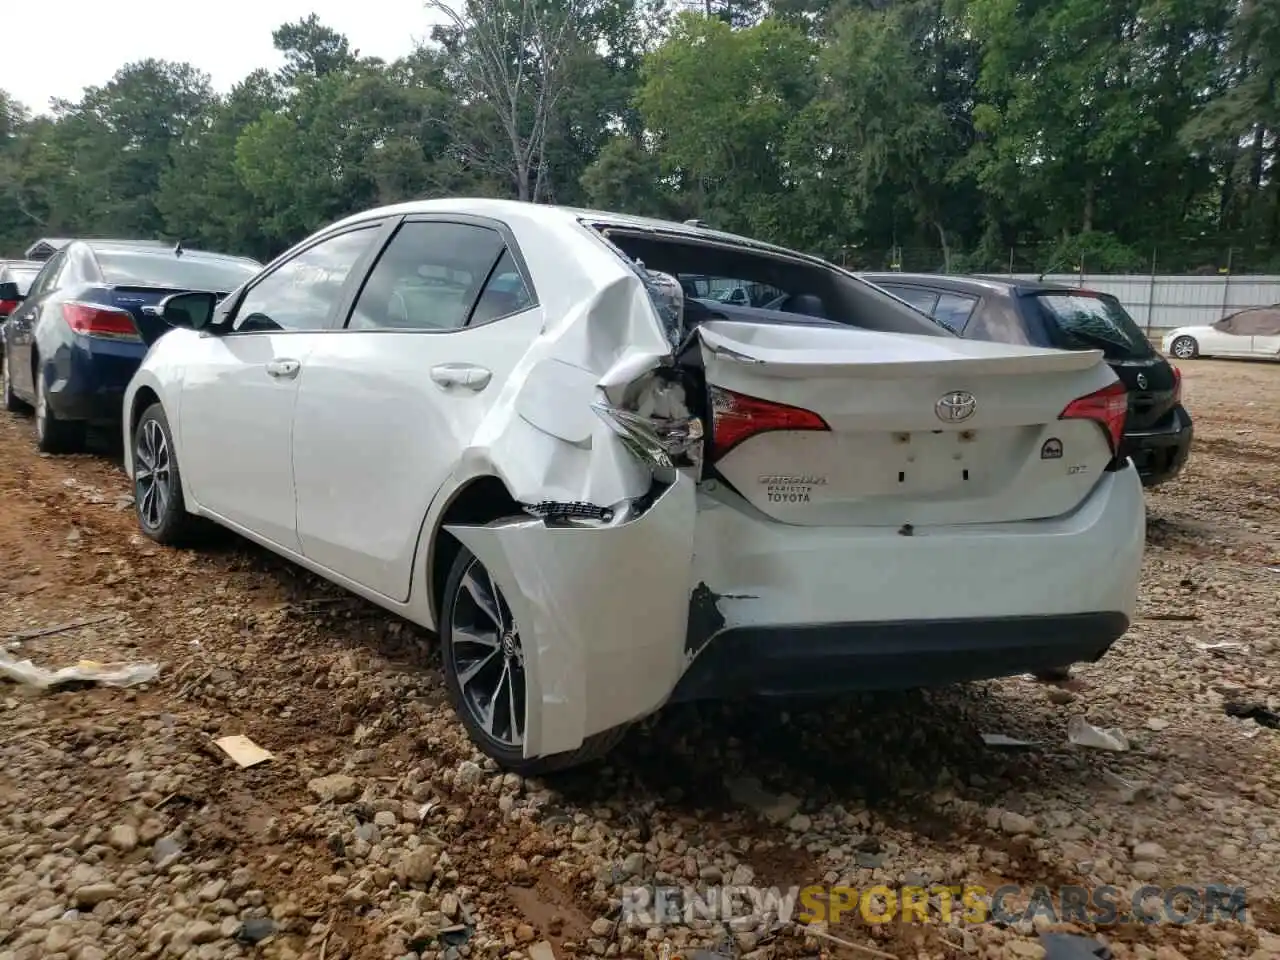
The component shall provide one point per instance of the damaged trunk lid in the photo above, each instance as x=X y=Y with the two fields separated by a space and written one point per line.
x=832 y=425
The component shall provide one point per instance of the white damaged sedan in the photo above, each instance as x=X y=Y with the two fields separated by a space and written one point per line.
x=562 y=439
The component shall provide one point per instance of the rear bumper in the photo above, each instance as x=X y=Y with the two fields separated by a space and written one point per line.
x=1160 y=455
x=840 y=657
x=87 y=378
x=788 y=609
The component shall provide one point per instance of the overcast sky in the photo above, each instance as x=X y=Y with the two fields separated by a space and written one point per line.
x=56 y=49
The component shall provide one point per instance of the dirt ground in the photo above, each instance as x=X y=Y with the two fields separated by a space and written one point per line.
x=376 y=831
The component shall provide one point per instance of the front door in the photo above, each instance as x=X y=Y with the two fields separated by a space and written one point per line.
x=238 y=395
x=387 y=406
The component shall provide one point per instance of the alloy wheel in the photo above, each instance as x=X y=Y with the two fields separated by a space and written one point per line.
x=488 y=659
x=152 y=475
x=1184 y=348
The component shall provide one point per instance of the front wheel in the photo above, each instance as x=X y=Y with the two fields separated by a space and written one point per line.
x=157 y=484
x=1185 y=348
x=10 y=400
x=53 y=434
x=484 y=661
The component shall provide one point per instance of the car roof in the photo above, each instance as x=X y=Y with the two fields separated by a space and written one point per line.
x=499 y=209
x=976 y=284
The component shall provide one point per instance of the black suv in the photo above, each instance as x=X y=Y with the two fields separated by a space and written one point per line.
x=1157 y=433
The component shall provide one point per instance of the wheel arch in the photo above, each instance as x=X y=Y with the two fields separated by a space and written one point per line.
x=477 y=500
x=144 y=391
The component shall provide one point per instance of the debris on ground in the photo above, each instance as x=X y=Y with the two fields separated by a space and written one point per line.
x=1084 y=734
x=1000 y=740
x=242 y=750
x=1256 y=712
x=85 y=672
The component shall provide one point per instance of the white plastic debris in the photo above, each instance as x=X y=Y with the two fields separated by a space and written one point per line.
x=1000 y=740
x=86 y=671
x=1084 y=734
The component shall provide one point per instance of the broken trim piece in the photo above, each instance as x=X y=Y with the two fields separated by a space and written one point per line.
x=654 y=441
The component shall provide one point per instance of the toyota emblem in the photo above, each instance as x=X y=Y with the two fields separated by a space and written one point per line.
x=955 y=406
x=1142 y=381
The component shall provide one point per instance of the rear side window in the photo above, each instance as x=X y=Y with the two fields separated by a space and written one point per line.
x=504 y=294
x=1087 y=321
x=161 y=268
x=432 y=274
x=920 y=298
x=953 y=310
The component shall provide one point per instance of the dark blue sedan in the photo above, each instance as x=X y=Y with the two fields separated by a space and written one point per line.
x=72 y=343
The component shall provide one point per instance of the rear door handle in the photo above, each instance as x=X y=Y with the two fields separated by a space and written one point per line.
x=467 y=375
x=283 y=369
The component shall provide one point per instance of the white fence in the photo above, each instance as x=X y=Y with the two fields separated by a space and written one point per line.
x=1158 y=303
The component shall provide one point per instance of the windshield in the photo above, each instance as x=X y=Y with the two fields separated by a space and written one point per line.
x=1090 y=321
x=145 y=268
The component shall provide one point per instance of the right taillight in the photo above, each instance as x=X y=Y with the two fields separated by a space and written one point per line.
x=1177 y=385
x=1107 y=407
x=735 y=417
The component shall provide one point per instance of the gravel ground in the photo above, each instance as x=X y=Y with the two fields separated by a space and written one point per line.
x=376 y=831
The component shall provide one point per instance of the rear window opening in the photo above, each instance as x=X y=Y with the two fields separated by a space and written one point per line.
x=23 y=278
x=145 y=268
x=728 y=281
x=1092 y=321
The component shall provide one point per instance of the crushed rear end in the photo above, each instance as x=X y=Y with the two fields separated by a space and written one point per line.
x=802 y=506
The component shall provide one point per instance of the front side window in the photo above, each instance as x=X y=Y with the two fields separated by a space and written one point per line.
x=301 y=293
x=433 y=274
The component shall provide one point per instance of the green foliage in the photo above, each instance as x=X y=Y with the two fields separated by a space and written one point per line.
x=935 y=134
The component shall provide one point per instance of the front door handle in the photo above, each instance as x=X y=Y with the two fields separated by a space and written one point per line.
x=283 y=369
x=461 y=375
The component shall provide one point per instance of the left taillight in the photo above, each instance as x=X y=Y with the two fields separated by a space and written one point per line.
x=95 y=320
x=1107 y=407
x=7 y=307
x=735 y=417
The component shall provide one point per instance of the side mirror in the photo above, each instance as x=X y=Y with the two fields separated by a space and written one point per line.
x=191 y=310
x=9 y=292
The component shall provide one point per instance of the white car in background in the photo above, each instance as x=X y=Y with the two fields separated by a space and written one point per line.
x=1248 y=333
x=506 y=423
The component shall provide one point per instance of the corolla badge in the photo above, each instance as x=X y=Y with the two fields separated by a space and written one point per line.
x=955 y=406
x=1142 y=381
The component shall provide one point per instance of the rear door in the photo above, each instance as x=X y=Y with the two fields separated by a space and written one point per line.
x=387 y=406
x=914 y=430
x=23 y=321
x=240 y=384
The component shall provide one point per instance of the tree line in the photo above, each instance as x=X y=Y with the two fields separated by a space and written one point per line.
x=962 y=135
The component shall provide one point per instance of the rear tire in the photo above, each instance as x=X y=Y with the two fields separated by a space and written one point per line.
x=10 y=400
x=157 y=483
x=484 y=666
x=1185 y=348
x=54 y=435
